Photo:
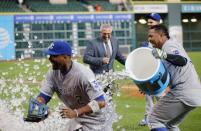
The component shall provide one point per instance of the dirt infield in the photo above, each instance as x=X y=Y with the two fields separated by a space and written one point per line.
x=132 y=90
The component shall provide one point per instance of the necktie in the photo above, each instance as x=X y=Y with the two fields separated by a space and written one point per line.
x=108 y=53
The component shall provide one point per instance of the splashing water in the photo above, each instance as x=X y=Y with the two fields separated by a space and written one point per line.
x=12 y=111
x=108 y=80
x=10 y=121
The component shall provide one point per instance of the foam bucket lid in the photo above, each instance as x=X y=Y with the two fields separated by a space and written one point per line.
x=141 y=64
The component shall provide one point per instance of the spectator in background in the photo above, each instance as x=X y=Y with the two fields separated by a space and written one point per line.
x=20 y=2
x=121 y=7
x=98 y=8
x=152 y=19
x=101 y=52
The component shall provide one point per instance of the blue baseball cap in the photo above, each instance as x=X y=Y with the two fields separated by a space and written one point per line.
x=59 y=48
x=154 y=16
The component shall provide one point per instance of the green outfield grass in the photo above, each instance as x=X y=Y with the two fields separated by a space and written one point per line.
x=130 y=108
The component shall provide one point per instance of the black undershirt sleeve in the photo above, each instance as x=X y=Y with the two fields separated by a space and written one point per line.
x=176 y=60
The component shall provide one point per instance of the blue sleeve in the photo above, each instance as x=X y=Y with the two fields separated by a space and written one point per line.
x=144 y=44
x=46 y=97
x=100 y=98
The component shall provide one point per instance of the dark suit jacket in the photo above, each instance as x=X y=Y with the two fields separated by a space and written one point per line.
x=95 y=52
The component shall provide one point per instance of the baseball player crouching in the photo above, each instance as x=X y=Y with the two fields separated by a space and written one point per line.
x=185 y=88
x=77 y=88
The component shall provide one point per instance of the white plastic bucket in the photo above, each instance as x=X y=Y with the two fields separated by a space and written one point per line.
x=148 y=73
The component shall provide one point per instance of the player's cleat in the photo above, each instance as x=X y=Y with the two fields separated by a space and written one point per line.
x=143 y=122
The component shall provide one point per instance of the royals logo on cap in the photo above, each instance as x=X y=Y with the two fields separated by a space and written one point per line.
x=51 y=46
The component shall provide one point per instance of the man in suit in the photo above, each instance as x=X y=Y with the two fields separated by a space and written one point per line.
x=101 y=52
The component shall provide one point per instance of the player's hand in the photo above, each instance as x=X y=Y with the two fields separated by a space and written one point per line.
x=106 y=60
x=66 y=112
x=159 y=54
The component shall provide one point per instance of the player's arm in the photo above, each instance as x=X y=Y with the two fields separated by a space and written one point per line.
x=93 y=106
x=38 y=110
x=43 y=98
x=177 y=60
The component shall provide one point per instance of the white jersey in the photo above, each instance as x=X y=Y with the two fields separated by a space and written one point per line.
x=183 y=78
x=76 y=89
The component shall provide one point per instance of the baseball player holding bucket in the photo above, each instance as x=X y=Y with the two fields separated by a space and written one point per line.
x=185 y=86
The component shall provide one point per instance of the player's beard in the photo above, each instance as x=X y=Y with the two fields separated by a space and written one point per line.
x=59 y=66
x=55 y=66
x=153 y=44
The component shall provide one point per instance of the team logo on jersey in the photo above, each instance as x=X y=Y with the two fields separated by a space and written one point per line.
x=95 y=84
